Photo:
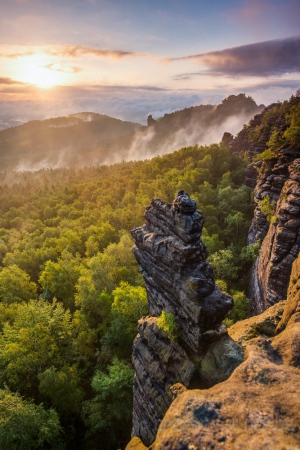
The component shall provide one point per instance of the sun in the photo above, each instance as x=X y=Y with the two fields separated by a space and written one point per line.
x=37 y=70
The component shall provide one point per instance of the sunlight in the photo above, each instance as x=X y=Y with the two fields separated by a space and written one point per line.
x=36 y=70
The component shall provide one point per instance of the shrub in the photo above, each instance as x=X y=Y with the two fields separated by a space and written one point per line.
x=167 y=323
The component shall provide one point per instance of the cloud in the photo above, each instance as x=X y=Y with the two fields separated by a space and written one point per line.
x=267 y=58
x=17 y=55
x=78 y=50
x=63 y=69
x=75 y=51
x=9 y=81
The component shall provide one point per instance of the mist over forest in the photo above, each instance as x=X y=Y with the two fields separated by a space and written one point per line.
x=85 y=139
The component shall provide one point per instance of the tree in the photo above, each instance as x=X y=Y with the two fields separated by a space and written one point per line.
x=59 y=279
x=15 y=285
x=224 y=265
x=130 y=302
x=26 y=426
x=61 y=388
x=39 y=337
x=109 y=413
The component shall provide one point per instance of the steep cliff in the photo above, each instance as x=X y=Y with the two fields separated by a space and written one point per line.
x=272 y=139
x=258 y=406
x=179 y=281
x=281 y=243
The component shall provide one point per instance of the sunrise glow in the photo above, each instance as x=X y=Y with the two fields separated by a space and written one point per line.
x=38 y=71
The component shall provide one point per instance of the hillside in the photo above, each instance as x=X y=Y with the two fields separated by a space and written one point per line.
x=59 y=142
x=88 y=139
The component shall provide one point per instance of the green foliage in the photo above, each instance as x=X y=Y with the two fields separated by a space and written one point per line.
x=292 y=133
x=67 y=231
x=167 y=323
x=268 y=208
x=26 y=426
x=109 y=413
x=61 y=388
x=15 y=285
x=59 y=279
x=130 y=302
x=241 y=306
x=266 y=155
x=224 y=265
x=39 y=337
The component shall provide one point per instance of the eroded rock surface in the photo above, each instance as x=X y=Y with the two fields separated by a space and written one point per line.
x=159 y=363
x=258 y=406
x=178 y=280
x=281 y=243
x=293 y=301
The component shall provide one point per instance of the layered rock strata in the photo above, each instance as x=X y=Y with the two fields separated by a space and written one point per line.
x=280 y=238
x=178 y=280
x=258 y=406
x=159 y=363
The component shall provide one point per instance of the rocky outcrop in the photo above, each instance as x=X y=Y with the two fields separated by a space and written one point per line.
x=178 y=278
x=280 y=239
x=264 y=324
x=179 y=281
x=159 y=363
x=254 y=137
x=293 y=302
x=258 y=406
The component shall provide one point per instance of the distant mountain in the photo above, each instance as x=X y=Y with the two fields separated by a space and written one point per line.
x=89 y=138
x=8 y=123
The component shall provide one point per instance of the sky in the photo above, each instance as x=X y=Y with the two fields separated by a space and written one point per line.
x=132 y=58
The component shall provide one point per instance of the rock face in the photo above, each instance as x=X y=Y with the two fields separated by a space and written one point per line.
x=159 y=363
x=179 y=281
x=293 y=302
x=280 y=239
x=275 y=179
x=258 y=406
x=178 y=278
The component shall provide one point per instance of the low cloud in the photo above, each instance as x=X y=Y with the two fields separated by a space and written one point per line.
x=75 y=51
x=275 y=57
x=79 y=50
x=9 y=81
x=17 y=55
x=63 y=69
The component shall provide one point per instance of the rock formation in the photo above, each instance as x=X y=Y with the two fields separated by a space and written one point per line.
x=275 y=178
x=258 y=406
x=179 y=281
x=280 y=182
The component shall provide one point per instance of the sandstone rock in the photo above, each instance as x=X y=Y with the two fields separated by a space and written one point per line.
x=256 y=408
x=251 y=173
x=293 y=301
x=178 y=278
x=177 y=389
x=135 y=444
x=281 y=245
x=159 y=363
x=262 y=324
x=219 y=361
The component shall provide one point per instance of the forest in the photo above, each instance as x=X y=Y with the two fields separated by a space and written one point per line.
x=71 y=292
